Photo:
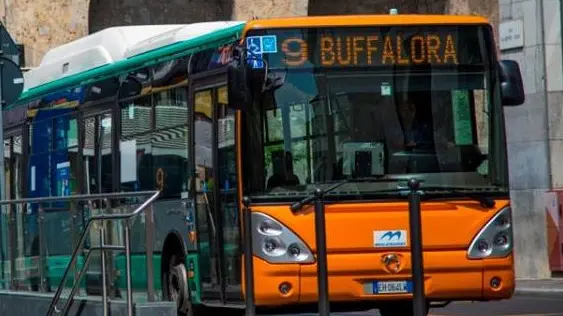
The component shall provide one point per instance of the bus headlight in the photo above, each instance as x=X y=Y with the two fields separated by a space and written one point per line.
x=275 y=243
x=495 y=238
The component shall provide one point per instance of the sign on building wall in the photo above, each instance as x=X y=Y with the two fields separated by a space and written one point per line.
x=511 y=34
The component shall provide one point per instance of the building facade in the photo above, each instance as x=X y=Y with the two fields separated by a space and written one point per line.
x=530 y=32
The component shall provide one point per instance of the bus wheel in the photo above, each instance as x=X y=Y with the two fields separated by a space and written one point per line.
x=399 y=308
x=176 y=286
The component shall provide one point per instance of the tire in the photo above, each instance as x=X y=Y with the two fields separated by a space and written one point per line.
x=176 y=287
x=399 y=308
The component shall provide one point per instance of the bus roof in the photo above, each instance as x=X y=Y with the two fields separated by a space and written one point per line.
x=98 y=49
x=363 y=20
x=114 y=50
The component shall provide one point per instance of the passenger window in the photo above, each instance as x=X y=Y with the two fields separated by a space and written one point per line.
x=88 y=154
x=106 y=148
x=65 y=155
x=136 y=116
x=97 y=153
x=169 y=142
x=54 y=140
x=155 y=158
x=17 y=166
x=171 y=108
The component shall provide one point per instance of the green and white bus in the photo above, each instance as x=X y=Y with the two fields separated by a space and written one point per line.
x=110 y=113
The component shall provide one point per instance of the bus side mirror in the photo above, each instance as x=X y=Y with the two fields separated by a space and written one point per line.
x=511 y=86
x=238 y=81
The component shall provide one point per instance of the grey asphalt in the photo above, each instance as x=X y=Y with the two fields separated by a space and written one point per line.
x=532 y=304
x=535 y=304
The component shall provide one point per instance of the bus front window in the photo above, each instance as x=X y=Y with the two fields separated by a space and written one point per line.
x=325 y=125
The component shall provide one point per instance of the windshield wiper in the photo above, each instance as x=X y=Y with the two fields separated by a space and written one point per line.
x=319 y=192
x=484 y=200
x=297 y=206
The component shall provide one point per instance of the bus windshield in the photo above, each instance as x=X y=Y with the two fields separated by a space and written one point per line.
x=375 y=103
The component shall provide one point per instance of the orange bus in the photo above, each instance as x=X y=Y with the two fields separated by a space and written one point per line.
x=362 y=104
x=268 y=111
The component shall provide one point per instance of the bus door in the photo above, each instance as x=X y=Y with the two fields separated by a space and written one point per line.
x=214 y=190
x=98 y=157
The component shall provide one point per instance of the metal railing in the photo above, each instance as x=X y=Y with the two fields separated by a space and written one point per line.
x=415 y=226
x=153 y=195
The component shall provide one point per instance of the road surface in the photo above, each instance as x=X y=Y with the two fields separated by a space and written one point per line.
x=521 y=305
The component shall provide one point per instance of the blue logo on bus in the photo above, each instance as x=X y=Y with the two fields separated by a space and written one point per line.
x=390 y=238
x=390 y=235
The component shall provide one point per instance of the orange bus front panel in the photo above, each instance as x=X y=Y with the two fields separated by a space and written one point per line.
x=499 y=270
x=268 y=278
x=448 y=275
x=356 y=260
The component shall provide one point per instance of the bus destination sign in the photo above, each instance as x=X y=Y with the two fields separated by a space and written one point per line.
x=352 y=47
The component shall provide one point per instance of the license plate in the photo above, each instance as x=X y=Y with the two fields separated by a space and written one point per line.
x=392 y=287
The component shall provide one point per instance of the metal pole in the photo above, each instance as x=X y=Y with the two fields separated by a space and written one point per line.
x=75 y=286
x=3 y=181
x=12 y=245
x=415 y=223
x=86 y=197
x=248 y=258
x=2 y=253
x=2 y=171
x=73 y=231
x=149 y=245
x=322 y=267
x=128 y=268
x=108 y=229
x=40 y=217
x=104 y=267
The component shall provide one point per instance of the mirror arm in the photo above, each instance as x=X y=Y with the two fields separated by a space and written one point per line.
x=266 y=70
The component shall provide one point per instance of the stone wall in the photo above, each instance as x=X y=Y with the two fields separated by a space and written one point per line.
x=42 y=24
x=534 y=133
x=106 y=13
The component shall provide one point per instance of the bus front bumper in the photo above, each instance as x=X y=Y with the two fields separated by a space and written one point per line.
x=449 y=276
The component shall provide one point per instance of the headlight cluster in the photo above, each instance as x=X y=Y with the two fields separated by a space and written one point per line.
x=495 y=238
x=275 y=243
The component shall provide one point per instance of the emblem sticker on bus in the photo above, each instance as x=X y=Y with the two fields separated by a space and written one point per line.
x=389 y=238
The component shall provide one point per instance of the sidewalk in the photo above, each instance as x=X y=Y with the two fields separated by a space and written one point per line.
x=542 y=287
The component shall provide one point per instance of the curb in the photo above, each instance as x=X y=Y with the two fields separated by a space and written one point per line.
x=549 y=292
